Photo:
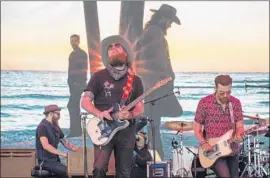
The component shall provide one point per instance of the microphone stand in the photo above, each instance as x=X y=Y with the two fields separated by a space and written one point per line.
x=153 y=137
x=152 y=102
x=83 y=120
x=195 y=162
x=156 y=99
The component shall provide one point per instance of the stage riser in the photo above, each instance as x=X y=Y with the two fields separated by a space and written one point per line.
x=18 y=163
x=111 y=176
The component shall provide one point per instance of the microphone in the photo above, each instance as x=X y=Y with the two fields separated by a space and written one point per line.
x=174 y=143
x=84 y=113
x=178 y=90
x=142 y=123
x=144 y=118
x=137 y=137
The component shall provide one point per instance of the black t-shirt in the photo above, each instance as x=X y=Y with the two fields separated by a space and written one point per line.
x=53 y=134
x=108 y=91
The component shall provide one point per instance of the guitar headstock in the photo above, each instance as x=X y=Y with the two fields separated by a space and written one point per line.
x=162 y=82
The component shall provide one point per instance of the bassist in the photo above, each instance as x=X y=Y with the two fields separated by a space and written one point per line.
x=214 y=116
x=106 y=88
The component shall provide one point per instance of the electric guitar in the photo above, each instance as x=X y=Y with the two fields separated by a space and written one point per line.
x=221 y=147
x=101 y=132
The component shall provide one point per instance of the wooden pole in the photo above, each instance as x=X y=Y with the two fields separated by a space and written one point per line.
x=93 y=35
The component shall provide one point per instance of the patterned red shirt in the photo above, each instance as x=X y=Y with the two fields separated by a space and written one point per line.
x=217 y=122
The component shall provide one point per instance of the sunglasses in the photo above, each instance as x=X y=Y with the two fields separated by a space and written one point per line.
x=116 y=45
x=223 y=93
x=58 y=114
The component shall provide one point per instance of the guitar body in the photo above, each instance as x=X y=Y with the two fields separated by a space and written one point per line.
x=221 y=148
x=100 y=132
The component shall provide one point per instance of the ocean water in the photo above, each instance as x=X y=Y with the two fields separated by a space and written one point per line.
x=25 y=93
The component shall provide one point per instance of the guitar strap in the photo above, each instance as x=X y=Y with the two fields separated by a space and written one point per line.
x=127 y=88
x=232 y=117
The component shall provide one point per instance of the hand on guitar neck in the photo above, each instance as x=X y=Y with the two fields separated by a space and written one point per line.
x=238 y=137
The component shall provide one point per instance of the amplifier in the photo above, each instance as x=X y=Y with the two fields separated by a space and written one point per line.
x=160 y=169
x=17 y=162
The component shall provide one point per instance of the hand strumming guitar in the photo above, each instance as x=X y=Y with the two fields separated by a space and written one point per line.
x=206 y=146
x=105 y=114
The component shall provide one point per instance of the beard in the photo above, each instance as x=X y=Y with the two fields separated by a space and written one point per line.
x=74 y=46
x=55 y=120
x=118 y=59
x=223 y=100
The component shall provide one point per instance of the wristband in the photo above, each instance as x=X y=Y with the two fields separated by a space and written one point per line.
x=203 y=142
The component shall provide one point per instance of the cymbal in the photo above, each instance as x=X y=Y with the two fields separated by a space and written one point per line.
x=257 y=118
x=260 y=132
x=179 y=125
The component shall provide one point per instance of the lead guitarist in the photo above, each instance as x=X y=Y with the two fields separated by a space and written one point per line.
x=105 y=88
x=213 y=116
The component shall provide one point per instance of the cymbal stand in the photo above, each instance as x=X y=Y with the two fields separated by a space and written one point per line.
x=182 y=170
x=249 y=168
x=259 y=169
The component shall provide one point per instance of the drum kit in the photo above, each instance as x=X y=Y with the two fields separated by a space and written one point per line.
x=185 y=161
x=253 y=161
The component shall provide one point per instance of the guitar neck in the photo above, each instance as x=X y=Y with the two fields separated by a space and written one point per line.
x=140 y=98
x=248 y=131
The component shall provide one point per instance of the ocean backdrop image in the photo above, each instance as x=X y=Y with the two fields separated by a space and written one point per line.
x=24 y=94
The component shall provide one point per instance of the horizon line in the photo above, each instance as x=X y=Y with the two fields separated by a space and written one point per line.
x=33 y=70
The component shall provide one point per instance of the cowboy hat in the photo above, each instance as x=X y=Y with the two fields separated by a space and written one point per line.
x=115 y=39
x=168 y=11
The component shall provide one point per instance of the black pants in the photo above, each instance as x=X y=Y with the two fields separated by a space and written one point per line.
x=74 y=109
x=123 y=145
x=56 y=167
x=138 y=172
x=227 y=167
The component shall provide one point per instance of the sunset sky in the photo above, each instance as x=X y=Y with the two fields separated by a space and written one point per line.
x=214 y=36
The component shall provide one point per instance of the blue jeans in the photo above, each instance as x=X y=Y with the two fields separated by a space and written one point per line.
x=55 y=166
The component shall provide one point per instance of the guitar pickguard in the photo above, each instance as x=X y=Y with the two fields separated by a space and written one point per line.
x=212 y=154
x=108 y=126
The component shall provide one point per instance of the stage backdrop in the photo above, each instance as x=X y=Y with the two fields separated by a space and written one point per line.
x=213 y=38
